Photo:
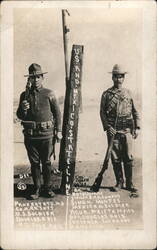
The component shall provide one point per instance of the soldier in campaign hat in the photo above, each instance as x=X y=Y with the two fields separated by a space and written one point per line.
x=121 y=120
x=40 y=114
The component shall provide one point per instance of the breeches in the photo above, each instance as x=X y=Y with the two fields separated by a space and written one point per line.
x=122 y=148
x=39 y=151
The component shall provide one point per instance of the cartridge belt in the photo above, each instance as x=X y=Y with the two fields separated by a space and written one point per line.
x=37 y=125
x=122 y=123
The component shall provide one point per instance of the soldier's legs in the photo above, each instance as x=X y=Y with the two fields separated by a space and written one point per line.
x=33 y=155
x=116 y=161
x=117 y=167
x=128 y=161
x=46 y=150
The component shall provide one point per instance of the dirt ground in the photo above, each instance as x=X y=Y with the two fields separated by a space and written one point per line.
x=83 y=209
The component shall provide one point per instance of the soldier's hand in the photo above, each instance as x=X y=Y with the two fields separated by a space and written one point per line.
x=59 y=136
x=25 y=105
x=55 y=171
x=111 y=131
x=135 y=134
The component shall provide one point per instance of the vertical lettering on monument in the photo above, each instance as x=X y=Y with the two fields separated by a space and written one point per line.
x=72 y=102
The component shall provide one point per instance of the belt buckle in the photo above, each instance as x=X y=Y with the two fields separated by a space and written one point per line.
x=43 y=125
x=49 y=124
x=30 y=131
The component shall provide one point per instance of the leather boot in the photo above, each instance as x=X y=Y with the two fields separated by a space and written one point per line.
x=47 y=178
x=36 y=195
x=36 y=175
x=128 y=175
x=117 y=167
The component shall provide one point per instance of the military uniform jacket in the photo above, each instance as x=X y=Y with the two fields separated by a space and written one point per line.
x=118 y=102
x=42 y=116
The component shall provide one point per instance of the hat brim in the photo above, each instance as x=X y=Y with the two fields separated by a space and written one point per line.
x=36 y=74
x=119 y=73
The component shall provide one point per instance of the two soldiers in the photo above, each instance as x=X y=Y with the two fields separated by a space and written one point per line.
x=40 y=114
x=121 y=120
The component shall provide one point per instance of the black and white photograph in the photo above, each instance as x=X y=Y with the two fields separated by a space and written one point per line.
x=78 y=129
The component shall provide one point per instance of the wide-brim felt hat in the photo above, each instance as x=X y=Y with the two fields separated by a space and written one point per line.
x=35 y=69
x=118 y=69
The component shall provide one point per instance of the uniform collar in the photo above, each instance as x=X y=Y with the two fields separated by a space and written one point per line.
x=37 y=89
x=114 y=90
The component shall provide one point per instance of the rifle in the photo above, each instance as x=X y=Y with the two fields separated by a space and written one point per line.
x=28 y=86
x=27 y=90
x=96 y=186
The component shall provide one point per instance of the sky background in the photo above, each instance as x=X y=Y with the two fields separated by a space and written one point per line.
x=109 y=36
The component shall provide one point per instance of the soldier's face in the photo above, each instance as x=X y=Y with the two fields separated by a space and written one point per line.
x=118 y=80
x=36 y=81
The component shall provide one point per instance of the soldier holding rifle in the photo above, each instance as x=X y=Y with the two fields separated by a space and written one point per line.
x=121 y=121
x=40 y=114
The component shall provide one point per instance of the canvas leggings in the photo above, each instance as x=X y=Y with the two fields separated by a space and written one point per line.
x=122 y=153
x=39 y=153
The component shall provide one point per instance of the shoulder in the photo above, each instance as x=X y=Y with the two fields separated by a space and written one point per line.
x=107 y=92
x=22 y=95
x=48 y=92
x=126 y=92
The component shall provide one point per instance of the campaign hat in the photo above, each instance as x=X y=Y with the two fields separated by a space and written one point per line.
x=34 y=70
x=118 y=69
